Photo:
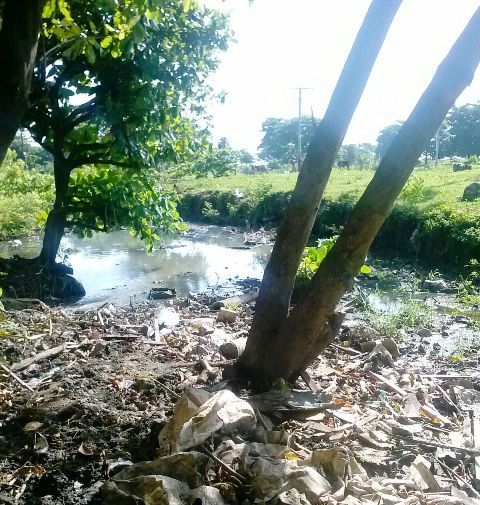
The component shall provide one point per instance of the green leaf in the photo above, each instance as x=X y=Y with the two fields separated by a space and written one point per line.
x=365 y=270
x=105 y=43
x=49 y=9
x=62 y=5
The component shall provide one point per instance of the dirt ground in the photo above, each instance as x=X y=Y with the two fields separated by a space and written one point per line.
x=84 y=394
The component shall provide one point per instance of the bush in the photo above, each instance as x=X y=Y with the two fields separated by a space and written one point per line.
x=25 y=197
x=415 y=192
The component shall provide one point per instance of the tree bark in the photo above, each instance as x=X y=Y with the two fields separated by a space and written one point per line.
x=57 y=218
x=21 y=23
x=305 y=335
x=279 y=277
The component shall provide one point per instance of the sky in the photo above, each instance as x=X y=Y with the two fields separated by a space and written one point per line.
x=284 y=44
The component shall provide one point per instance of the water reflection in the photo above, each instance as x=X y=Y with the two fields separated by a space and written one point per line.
x=116 y=265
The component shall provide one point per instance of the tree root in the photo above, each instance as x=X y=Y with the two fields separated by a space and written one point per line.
x=29 y=278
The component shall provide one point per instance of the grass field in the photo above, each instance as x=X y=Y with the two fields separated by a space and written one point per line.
x=440 y=185
x=430 y=220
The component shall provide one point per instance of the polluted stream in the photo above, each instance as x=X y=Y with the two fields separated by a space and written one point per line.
x=223 y=261
x=116 y=267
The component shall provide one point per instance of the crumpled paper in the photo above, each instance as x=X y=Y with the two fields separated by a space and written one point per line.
x=199 y=414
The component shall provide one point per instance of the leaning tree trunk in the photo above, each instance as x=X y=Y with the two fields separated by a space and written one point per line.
x=57 y=218
x=311 y=323
x=279 y=277
x=21 y=23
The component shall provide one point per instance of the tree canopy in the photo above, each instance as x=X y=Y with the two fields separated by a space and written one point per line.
x=462 y=129
x=360 y=155
x=123 y=84
x=120 y=85
x=280 y=138
x=386 y=137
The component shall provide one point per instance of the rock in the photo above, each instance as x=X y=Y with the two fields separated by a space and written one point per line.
x=471 y=192
x=162 y=293
x=368 y=346
x=392 y=347
x=421 y=349
x=388 y=343
x=436 y=285
x=424 y=333
x=380 y=354
x=98 y=348
x=357 y=332
x=203 y=325
x=460 y=167
x=226 y=316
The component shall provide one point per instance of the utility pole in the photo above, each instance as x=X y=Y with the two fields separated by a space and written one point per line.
x=437 y=145
x=299 y=133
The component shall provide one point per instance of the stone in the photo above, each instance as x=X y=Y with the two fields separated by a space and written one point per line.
x=388 y=343
x=471 y=192
x=435 y=285
x=226 y=316
x=203 y=325
x=460 y=167
x=392 y=347
x=368 y=345
x=424 y=333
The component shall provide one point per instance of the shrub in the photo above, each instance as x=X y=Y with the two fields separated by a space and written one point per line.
x=25 y=196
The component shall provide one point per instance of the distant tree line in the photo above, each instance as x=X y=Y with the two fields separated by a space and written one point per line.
x=459 y=135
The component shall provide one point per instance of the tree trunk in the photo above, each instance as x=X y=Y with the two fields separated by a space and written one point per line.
x=21 y=23
x=57 y=218
x=279 y=277
x=54 y=230
x=307 y=330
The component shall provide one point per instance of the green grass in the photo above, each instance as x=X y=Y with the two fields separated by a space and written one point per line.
x=447 y=186
x=430 y=220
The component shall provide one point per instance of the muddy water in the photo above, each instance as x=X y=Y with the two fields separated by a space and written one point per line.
x=115 y=266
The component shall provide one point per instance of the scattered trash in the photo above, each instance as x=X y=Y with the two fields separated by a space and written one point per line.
x=162 y=293
x=435 y=285
x=85 y=450
x=41 y=444
x=370 y=422
x=199 y=414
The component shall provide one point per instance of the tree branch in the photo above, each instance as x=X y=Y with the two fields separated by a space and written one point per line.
x=95 y=160
x=82 y=109
x=82 y=148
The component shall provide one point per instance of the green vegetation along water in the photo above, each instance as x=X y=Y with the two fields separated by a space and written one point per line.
x=430 y=221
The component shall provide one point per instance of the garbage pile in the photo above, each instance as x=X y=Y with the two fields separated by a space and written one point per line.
x=372 y=421
x=394 y=448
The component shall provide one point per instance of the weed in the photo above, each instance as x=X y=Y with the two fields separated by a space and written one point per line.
x=416 y=192
x=209 y=212
x=410 y=314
